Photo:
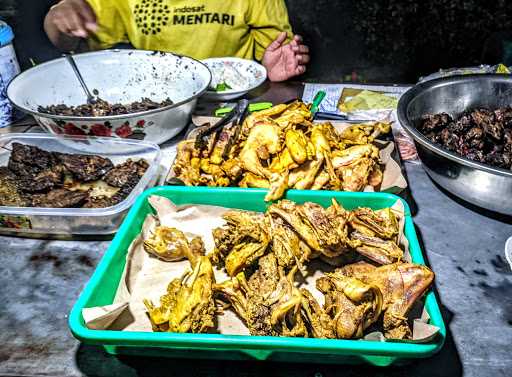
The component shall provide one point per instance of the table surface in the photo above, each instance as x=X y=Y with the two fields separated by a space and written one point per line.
x=40 y=280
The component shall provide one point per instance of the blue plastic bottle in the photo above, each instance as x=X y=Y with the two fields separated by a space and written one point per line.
x=9 y=68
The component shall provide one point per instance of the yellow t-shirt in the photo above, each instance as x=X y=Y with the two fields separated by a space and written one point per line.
x=197 y=28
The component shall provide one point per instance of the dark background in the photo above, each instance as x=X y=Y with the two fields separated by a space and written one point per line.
x=359 y=40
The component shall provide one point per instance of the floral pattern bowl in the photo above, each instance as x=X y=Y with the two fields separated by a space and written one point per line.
x=118 y=76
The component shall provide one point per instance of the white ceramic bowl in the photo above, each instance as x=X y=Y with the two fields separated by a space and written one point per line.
x=254 y=75
x=119 y=76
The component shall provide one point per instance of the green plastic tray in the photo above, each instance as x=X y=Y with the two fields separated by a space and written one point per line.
x=103 y=284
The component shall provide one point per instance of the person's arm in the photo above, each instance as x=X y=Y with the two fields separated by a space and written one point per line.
x=282 y=55
x=67 y=22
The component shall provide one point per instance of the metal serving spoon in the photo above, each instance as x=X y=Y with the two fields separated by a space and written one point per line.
x=90 y=98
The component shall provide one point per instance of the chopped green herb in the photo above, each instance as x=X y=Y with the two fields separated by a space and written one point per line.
x=222 y=86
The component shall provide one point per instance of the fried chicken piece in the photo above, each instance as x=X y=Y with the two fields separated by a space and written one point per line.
x=359 y=134
x=188 y=305
x=401 y=284
x=241 y=241
x=254 y=181
x=264 y=139
x=187 y=164
x=355 y=177
x=86 y=168
x=171 y=244
x=297 y=145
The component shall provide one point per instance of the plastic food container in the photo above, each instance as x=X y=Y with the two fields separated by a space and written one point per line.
x=102 y=287
x=72 y=222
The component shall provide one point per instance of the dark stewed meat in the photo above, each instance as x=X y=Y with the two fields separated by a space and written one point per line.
x=480 y=135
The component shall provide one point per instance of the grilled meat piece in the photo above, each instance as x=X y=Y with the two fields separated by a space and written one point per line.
x=27 y=160
x=60 y=198
x=121 y=174
x=99 y=202
x=86 y=167
x=10 y=190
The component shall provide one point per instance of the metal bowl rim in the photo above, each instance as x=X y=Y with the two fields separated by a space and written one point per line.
x=111 y=117
x=413 y=92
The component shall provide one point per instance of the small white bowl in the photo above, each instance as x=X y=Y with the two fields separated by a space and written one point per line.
x=254 y=74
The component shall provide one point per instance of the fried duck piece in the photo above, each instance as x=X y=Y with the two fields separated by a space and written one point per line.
x=375 y=248
x=352 y=304
x=269 y=303
x=382 y=223
x=319 y=323
x=188 y=305
x=241 y=241
x=401 y=284
x=248 y=299
x=374 y=234
x=171 y=244
x=322 y=230
x=86 y=168
x=287 y=246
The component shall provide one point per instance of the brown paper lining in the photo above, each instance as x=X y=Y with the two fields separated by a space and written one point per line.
x=146 y=276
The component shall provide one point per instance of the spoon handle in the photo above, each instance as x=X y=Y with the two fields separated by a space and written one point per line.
x=71 y=61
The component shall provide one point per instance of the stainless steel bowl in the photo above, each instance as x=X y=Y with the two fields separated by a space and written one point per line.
x=479 y=184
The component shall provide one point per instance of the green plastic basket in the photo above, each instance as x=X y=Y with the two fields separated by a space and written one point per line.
x=103 y=284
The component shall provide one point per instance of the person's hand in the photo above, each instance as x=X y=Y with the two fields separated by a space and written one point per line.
x=284 y=61
x=74 y=18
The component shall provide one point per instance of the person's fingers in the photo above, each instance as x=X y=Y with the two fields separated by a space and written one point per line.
x=297 y=38
x=300 y=69
x=87 y=14
x=277 y=42
x=303 y=59
x=77 y=25
x=64 y=25
x=303 y=49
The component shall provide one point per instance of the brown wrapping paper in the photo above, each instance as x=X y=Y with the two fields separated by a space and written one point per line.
x=146 y=276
